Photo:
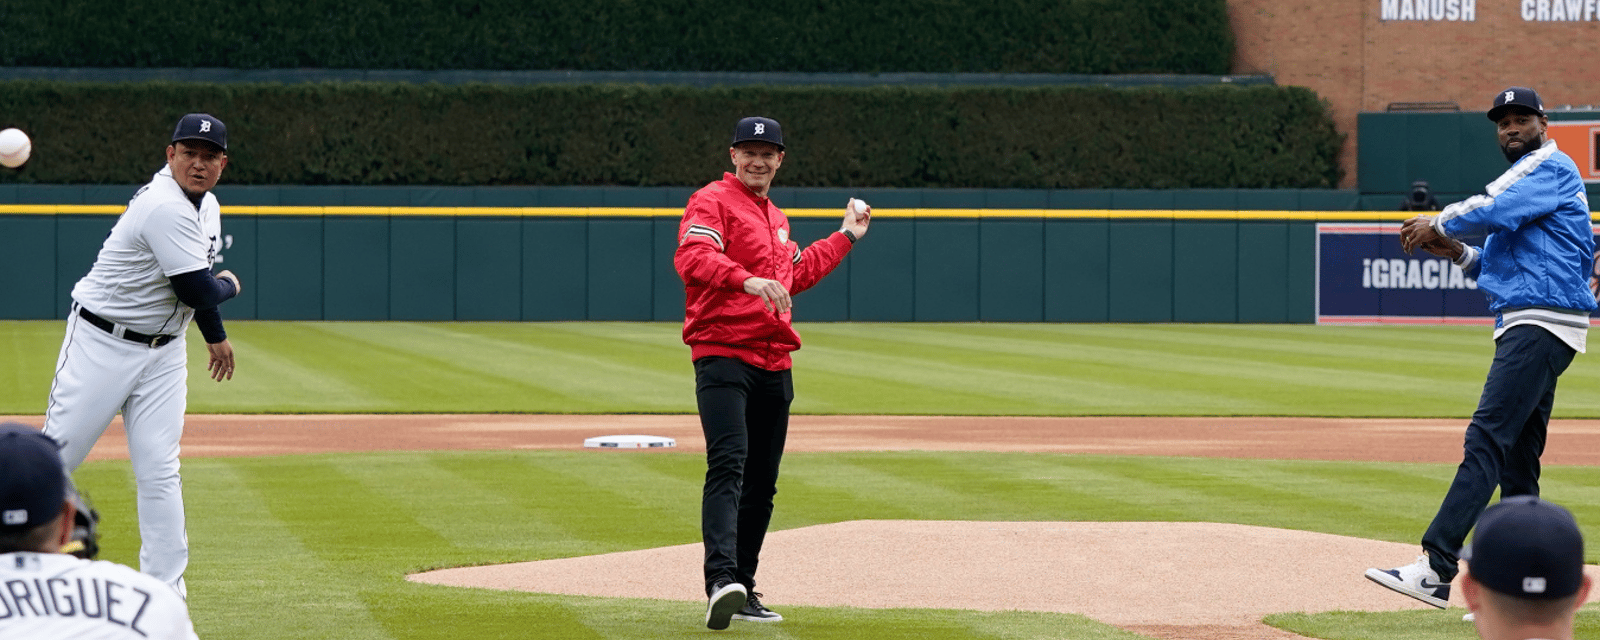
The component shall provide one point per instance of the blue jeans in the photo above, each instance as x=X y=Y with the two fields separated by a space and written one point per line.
x=1504 y=440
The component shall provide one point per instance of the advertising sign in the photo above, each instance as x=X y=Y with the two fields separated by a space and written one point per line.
x=1363 y=277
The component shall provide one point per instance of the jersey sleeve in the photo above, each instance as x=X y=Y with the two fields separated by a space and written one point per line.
x=172 y=231
x=818 y=260
x=1523 y=194
x=701 y=258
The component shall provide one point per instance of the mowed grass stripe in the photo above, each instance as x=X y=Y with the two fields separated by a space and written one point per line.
x=662 y=620
x=1370 y=501
x=430 y=612
x=986 y=487
x=593 y=512
x=452 y=510
x=1201 y=373
x=633 y=490
x=849 y=368
x=409 y=365
x=249 y=571
x=351 y=527
x=28 y=352
x=109 y=485
x=1022 y=383
x=1028 y=625
x=292 y=369
x=509 y=359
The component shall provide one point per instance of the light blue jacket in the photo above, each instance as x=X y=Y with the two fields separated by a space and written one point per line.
x=1538 y=248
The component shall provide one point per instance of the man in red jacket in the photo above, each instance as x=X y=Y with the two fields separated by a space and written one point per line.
x=740 y=268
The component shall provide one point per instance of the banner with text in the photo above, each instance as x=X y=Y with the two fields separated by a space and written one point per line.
x=1364 y=277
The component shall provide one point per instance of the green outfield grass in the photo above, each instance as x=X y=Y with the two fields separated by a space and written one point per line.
x=318 y=546
x=880 y=368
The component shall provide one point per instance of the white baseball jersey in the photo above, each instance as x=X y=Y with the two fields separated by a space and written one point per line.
x=161 y=234
x=54 y=595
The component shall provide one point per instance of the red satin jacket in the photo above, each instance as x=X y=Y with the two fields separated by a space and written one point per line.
x=729 y=234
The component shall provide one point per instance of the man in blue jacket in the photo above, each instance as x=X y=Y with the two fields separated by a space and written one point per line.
x=1534 y=266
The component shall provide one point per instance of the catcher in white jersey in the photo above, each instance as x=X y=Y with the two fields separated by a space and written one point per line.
x=49 y=594
x=124 y=348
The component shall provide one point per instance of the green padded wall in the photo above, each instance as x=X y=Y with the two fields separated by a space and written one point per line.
x=1011 y=270
x=619 y=263
x=28 y=249
x=422 y=265
x=553 y=287
x=1077 y=267
x=488 y=269
x=1205 y=273
x=945 y=275
x=357 y=281
x=289 y=269
x=1141 y=278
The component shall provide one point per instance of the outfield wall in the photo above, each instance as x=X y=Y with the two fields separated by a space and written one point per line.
x=555 y=263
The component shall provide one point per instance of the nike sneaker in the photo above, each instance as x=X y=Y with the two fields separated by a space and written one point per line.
x=1417 y=580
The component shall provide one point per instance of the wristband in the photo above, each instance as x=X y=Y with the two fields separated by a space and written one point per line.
x=848 y=234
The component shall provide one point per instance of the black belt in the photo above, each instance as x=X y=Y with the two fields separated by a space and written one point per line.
x=127 y=334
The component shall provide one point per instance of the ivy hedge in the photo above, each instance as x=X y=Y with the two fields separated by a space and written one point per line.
x=865 y=36
x=405 y=134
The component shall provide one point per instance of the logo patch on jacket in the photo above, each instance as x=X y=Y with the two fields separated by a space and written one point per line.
x=783 y=235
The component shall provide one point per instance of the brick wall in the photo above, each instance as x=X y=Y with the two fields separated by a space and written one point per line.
x=1353 y=57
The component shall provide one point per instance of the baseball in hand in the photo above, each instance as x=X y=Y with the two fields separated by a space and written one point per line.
x=15 y=147
x=858 y=207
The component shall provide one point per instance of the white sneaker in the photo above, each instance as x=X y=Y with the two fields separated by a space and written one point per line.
x=1469 y=617
x=1417 y=580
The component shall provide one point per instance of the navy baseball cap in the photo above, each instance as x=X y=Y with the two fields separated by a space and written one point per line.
x=201 y=126
x=756 y=128
x=1527 y=547
x=1515 y=97
x=33 y=482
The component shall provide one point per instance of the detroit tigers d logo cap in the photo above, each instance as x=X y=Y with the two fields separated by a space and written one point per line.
x=757 y=128
x=33 y=482
x=201 y=126
x=1515 y=97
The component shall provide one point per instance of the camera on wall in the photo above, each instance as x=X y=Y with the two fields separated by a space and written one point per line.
x=1420 y=198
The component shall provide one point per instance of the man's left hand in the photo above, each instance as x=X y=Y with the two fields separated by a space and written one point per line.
x=1418 y=232
x=221 y=365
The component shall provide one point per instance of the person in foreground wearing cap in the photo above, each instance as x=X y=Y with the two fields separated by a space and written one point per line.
x=50 y=594
x=1534 y=266
x=124 y=347
x=1524 y=577
x=739 y=268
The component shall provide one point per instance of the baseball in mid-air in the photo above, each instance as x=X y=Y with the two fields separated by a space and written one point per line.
x=858 y=207
x=15 y=147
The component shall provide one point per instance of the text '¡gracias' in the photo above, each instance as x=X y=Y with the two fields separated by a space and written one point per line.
x=1398 y=273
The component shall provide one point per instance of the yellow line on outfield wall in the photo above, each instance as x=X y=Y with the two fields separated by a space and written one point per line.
x=670 y=212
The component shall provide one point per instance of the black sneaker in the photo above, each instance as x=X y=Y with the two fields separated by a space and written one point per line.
x=754 y=610
x=726 y=597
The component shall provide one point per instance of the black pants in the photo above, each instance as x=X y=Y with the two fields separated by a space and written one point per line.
x=744 y=411
x=1504 y=440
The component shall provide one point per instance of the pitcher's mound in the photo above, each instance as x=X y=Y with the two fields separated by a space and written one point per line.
x=1154 y=577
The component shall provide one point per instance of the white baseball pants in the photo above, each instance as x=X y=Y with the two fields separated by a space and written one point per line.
x=98 y=375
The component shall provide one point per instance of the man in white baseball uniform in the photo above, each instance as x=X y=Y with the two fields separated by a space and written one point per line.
x=50 y=594
x=124 y=348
